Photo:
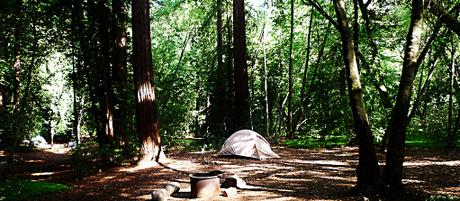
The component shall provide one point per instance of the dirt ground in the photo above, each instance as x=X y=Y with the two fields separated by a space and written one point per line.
x=300 y=174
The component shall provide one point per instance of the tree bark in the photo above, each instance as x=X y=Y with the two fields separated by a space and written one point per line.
x=305 y=72
x=146 y=107
x=106 y=87
x=451 y=139
x=120 y=72
x=367 y=170
x=392 y=173
x=242 y=106
x=229 y=59
x=291 y=84
x=450 y=21
x=23 y=104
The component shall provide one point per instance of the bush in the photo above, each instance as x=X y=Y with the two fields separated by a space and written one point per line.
x=87 y=158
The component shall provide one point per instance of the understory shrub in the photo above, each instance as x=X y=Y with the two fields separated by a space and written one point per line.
x=26 y=189
x=89 y=157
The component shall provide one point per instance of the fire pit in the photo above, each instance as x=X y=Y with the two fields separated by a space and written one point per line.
x=205 y=184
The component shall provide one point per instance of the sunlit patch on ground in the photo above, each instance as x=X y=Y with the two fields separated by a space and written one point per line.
x=42 y=173
x=424 y=163
x=34 y=161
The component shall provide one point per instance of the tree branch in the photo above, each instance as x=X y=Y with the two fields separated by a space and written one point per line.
x=450 y=21
x=321 y=11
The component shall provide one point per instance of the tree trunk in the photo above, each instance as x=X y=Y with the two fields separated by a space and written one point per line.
x=450 y=21
x=17 y=80
x=106 y=88
x=146 y=107
x=241 y=68
x=423 y=89
x=120 y=72
x=451 y=139
x=291 y=84
x=392 y=173
x=230 y=56
x=367 y=170
x=219 y=40
x=23 y=106
x=267 y=103
x=305 y=72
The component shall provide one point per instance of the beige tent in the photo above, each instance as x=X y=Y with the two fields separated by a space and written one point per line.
x=249 y=144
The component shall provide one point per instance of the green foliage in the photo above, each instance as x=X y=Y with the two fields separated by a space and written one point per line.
x=89 y=157
x=441 y=197
x=190 y=145
x=26 y=189
x=319 y=142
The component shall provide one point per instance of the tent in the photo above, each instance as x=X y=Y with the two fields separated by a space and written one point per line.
x=249 y=144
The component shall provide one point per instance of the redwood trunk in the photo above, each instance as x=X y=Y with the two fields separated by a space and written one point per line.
x=241 y=69
x=147 y=117
x=120 y=72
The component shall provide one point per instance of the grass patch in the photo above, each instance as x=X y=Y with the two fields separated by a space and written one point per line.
x=303 y=143
x=423 y=142
x=25 y=189
x=317 y=142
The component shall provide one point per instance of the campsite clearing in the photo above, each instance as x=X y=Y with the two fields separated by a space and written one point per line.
x=300 y=174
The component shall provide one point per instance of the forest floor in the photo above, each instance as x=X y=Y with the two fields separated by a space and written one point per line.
x=300 y=174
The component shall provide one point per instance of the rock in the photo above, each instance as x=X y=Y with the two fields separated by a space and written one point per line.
x=171 y=188
x=159 y=195
x=230 y=192
x=234 y=181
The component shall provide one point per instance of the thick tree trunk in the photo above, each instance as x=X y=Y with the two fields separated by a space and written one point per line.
x=392 y=173
x=219 y=111
x=367 y=170
x=120 y=72
x=220 y=63
x=242 y=106
x=23 y=104
x=106 y=88
x=230 y=56
x=146 y=107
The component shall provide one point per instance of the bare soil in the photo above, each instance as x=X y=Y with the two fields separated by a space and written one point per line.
x=300 y=174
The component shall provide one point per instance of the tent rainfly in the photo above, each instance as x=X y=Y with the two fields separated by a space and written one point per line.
x=249 y=144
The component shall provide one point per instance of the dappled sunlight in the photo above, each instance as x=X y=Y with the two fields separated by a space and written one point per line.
x=33 y=161
x=322 y=162
x=424 y=163
x=309 y=174
x=142 y=166
x=412 y=181
x=42 y=173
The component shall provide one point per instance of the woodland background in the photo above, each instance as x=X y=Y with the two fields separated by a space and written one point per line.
x=68 y=71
